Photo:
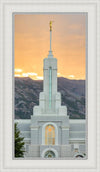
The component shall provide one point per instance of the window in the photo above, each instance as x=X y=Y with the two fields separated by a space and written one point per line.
x=50 y=135
x=49 y=154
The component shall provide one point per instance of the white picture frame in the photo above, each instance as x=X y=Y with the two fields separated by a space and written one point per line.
x=93 y=162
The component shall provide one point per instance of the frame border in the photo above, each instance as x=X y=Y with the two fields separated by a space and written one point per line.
x=86 y=77
x=95 y=2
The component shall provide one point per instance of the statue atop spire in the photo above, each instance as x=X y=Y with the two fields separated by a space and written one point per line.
x=50 y=25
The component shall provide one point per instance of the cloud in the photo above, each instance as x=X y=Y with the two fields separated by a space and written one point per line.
x=17 y=75
x=32 y=74
x=25 y=74
x=71 y=76
x=18 y=70
x=29 y=74
x=59 y=74
x=40 y=77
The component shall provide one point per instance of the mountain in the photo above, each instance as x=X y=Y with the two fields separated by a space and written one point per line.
x=27 y=96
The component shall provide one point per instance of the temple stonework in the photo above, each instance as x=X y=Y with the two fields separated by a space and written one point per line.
x=50 y=133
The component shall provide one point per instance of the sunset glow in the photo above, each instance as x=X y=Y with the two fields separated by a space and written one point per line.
x=32 y=44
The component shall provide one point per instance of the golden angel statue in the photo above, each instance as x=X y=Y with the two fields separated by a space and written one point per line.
x=50 y=25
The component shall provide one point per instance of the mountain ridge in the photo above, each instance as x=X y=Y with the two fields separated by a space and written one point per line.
x=27 y=96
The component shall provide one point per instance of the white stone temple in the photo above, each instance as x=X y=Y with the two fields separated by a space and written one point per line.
x=50 y=133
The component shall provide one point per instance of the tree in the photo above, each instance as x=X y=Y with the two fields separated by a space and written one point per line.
x=19 y=144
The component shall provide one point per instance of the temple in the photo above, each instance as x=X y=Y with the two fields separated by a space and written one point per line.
x=50 y=133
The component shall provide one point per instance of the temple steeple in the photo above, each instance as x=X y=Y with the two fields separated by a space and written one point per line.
x=50 y=51
x=50 y=98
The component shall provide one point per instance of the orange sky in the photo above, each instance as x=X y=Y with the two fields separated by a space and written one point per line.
x=31 y=44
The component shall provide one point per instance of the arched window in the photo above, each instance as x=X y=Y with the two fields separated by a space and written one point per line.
x=49 y=154
x=50 y=135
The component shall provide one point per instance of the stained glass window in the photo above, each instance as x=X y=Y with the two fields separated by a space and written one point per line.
x=50 y=135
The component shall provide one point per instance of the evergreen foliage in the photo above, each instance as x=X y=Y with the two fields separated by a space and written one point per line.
x=19 y=144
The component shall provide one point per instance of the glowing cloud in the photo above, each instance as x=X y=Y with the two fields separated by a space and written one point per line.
x=32 y=74
x=58 y=74
x=18 y=70
x=29 y=74
x=71 y=76
x=40 y=77
x=25 y=75
x=17 y=75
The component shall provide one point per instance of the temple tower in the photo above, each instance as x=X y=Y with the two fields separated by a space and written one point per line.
x=50 y=99
x=49 y=122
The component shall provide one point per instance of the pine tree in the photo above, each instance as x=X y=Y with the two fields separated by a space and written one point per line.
x=19 y=144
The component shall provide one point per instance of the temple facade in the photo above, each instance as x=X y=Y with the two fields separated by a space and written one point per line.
x=50 y=133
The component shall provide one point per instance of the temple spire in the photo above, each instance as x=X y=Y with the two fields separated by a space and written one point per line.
x=50 y=51
x=50 y=33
